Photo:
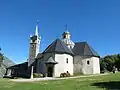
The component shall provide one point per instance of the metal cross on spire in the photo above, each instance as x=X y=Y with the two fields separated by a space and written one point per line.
x=66 y=27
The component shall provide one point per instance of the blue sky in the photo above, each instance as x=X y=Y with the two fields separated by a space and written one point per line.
x=94 y=21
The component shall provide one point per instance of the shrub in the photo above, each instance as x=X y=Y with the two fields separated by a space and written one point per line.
x=65 y=74
x=37 y=75
x=68 y=74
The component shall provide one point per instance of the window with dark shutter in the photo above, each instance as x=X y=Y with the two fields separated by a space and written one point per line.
x=67 y=60
x=88 y=62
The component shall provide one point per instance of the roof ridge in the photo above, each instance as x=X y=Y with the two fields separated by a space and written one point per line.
x=84 y=48
x=56 y=41
x=92 y=50
x=61 y=44
x=89 y=48
x=49 y=46
x=81 y=42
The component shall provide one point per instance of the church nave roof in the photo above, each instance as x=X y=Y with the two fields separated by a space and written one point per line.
x=58 y=47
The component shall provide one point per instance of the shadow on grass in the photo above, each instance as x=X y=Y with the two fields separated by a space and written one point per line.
x=111 y=85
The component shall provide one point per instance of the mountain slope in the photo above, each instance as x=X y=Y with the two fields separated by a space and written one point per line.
x=6 y=63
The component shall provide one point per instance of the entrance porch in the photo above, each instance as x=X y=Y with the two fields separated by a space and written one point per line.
x=50 y=66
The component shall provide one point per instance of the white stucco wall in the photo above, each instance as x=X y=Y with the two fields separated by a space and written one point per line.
x=96 y=65
x=87 y=69
x=93 y=67
x=62 y=66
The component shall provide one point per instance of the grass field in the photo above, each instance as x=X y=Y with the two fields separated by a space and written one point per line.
x=107 y=82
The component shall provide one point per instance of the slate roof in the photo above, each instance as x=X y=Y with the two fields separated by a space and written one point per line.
x=19 y=65
x=83 y=49
x=58 y=47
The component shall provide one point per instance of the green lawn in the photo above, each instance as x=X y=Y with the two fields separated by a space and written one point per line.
x=107 y=82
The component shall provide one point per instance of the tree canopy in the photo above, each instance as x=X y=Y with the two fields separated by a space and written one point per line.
x=110 y=61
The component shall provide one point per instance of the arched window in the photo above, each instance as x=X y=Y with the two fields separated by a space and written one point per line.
x=33 y=46
x=88 y=62
x=66 y=60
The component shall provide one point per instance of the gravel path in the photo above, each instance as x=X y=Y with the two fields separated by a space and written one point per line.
x=51 y=78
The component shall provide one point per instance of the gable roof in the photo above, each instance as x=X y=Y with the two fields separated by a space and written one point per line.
x=83 y=49
x=58 y=47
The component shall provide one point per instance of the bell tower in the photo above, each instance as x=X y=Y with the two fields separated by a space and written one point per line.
x=66 y=38
x=34 y=46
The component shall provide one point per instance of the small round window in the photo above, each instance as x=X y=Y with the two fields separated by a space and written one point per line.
x=88 y=62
